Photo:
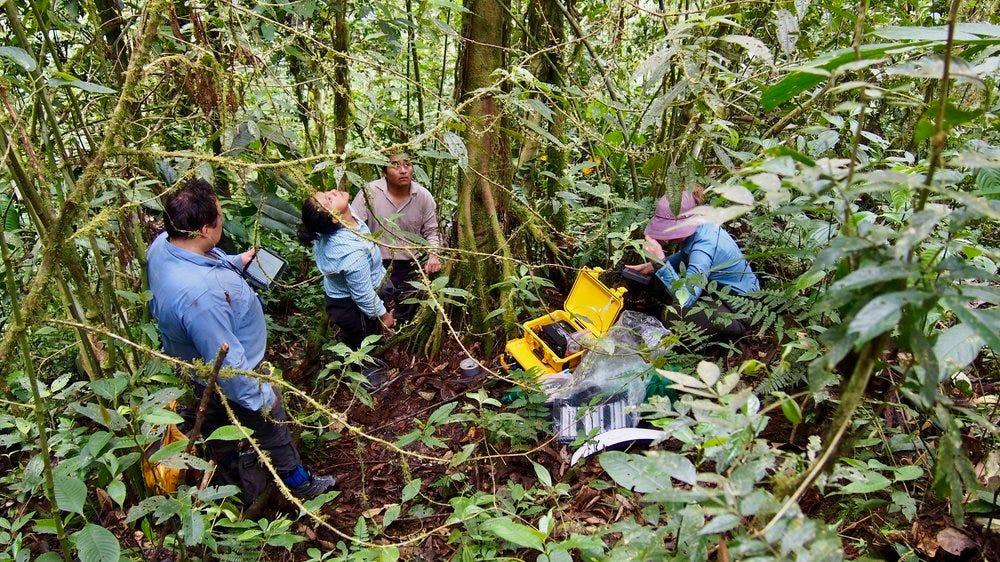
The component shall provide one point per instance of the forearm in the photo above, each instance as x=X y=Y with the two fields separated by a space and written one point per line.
x=668 y=276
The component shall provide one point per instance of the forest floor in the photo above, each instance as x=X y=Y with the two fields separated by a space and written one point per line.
x=371 y=476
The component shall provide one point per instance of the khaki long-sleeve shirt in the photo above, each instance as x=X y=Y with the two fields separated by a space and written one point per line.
x=413 y=224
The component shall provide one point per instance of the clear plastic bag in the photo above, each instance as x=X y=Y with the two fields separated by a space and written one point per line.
x=610 y=378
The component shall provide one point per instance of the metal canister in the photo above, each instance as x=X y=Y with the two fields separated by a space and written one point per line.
x=470 y=368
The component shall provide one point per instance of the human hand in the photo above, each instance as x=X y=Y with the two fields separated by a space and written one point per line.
x=387 y=321
x=642 y=268
x=248 y=256
x=653 y=248
x=433 y=265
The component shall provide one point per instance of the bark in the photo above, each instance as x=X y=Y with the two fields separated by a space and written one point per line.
x=546 y=34
x=341 y=78
x=109 y=12
x=482 y=210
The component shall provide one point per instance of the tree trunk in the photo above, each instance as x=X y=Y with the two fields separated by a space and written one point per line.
x=482 y=197
x=342 y=81
x=546 y=34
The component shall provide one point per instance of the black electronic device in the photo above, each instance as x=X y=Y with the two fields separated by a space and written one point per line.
x=263 y=269
x=636 y=276
x=557 y=336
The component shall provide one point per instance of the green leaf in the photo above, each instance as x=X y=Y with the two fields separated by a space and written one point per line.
x=80 y=84
x=320 y=500
x=791 y=410
x=162 y=416
x=110 y=388
x=169 y=450
x=390 y=515
x=869 y=482
x=96 y=544
x=988 y=183
x=521 y=535
x=907 y=473
x=228 y=433
x=116 y=489
x=144 y=508
x=720 y=524
x=411 y=489
x=986 y=323
x=71 y=493
x=955 y=348
x=647 y=474
x=816 y=72
x=963 y=31
x=881 y=314
x=20 y=56
x=543 y=474
x=953 y=117
x=457 y=148
x=870 y=275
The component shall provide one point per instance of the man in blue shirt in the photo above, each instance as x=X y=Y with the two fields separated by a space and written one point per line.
x=200 y=302
x=706 y=254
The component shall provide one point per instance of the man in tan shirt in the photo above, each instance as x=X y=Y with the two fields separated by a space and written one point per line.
x=402 y=215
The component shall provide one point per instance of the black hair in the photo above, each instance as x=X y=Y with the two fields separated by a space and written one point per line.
x=316 y=221
x=385 y=167
x=190 y=208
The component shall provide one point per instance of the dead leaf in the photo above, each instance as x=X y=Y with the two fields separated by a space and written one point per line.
x=926 y=542
x=954 y=541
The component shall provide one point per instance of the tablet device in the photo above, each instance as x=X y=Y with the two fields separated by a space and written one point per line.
x=636 y=277
x=263 y=269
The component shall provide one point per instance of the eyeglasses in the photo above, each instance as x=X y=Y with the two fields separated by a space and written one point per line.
x=400 y=164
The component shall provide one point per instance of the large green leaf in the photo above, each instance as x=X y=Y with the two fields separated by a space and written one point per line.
x=867 y=482
x=963 y=32
x=906 y=39
x=986 y=323
x=229 y=433
x=955 y=348
x=96 y=544
x=521 y=535
x=20 y=56
x=870 y=275
x=988 y=183
x=82 y=85
x=71 y=493
x=647 y=474
x=880 y=315
x=817 y=71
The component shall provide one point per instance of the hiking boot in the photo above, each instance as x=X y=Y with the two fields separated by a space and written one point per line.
x=313 y=487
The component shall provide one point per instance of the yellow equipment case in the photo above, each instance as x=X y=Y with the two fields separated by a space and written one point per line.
x=591 y=305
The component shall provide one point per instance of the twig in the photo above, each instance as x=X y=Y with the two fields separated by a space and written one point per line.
x=939 y=137
x=207 y=395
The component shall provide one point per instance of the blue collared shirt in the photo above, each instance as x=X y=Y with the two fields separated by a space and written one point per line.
x=200 y=302
x=351 y=265
x=710 y=254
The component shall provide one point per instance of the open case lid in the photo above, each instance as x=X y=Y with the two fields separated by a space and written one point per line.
x=592 y=303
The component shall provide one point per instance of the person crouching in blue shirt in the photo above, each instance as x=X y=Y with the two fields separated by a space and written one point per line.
x=200 y=302
x=706 y=254
x=351 y=265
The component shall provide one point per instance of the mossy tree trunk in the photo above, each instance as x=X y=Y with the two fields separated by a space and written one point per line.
x=483 y=186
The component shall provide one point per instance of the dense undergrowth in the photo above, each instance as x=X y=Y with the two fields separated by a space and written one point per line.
x=851 y=147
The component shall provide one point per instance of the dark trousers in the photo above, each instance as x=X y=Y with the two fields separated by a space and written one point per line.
x=354 y=324
x=238 y=461
x=401 y=272
x=712 y=314
x=717 y=321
